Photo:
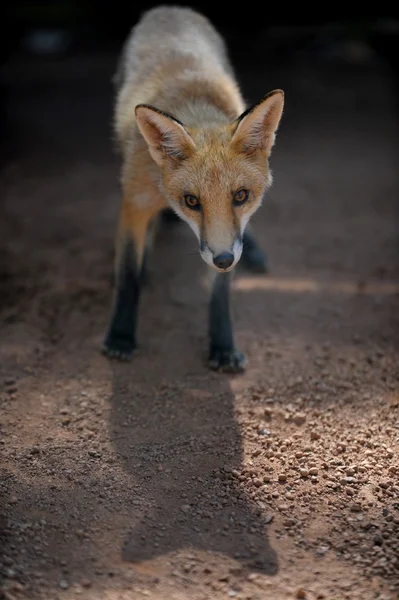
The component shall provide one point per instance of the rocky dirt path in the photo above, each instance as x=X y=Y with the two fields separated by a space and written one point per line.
x=159 y=479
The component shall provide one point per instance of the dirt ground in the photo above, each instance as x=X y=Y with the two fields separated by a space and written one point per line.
x=160 y=479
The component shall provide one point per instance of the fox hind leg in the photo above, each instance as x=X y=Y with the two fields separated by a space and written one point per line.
x=253 y=258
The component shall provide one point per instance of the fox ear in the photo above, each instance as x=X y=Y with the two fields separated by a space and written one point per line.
x=257 y=126
x=165 y=136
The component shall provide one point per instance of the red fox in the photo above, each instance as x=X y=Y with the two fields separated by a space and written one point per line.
x=188 y=143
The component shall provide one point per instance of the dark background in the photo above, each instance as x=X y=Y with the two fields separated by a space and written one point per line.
x=104 y=24
x=47 y=36
x=107 y=20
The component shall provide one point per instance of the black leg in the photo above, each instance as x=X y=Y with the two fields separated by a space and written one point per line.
x=144 y=273
x=253 y=258
x=222 y=356
x=170 y=217
x=120 y=340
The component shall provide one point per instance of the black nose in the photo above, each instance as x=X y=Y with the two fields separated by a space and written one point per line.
x=224 y=260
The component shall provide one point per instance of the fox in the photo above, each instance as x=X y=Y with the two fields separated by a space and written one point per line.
x=188 y=143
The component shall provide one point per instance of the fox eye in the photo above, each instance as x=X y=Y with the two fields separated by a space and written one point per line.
x=192 y=202
x=241 y=196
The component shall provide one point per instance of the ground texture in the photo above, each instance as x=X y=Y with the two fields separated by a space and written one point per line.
x=158 y=478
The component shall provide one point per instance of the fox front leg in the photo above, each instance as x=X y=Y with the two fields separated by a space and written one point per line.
x=222 y=355
x=120 y=341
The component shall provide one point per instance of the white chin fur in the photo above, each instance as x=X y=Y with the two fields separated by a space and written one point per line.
x=207 y=257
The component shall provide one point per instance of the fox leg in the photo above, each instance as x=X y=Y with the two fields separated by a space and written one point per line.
x=222 y=355
x=134 y=223
x=151 y=233
x=253 y=258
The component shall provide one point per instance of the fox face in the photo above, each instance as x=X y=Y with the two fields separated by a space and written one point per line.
x=215 y=176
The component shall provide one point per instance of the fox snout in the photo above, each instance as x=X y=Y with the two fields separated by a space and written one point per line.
x=221 y=259
x=224 y=260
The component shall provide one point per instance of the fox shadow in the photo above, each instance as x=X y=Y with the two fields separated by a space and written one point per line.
x=183 y=446
x=174 y=428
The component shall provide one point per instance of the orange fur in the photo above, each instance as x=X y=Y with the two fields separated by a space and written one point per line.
x=177 y=121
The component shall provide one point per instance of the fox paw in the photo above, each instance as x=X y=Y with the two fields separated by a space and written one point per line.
x=118 y=348
x=227 y=361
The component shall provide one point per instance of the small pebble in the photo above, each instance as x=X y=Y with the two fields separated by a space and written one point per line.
x=289 y=522
x=268 y=519
x=299 y=418
x=11 y=573
x=384 y=485
x=63 y=584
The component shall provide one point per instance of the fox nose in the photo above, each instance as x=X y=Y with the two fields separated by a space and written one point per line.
x=224 y=260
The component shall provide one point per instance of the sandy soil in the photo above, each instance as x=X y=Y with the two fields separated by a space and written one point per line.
x=160 y=479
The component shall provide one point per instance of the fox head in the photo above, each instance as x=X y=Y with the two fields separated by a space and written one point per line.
x=214 y=177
